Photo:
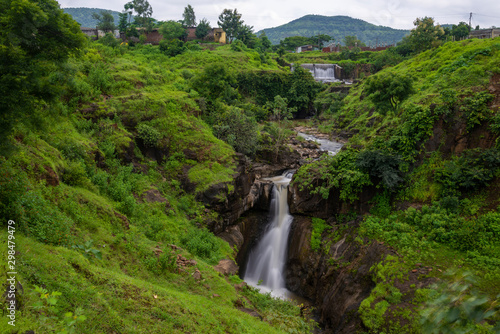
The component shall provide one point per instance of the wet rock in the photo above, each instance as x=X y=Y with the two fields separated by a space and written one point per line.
x=337 y=290
x=196 y=275
x=227 y=267
x=251 y=312
x=153 y=195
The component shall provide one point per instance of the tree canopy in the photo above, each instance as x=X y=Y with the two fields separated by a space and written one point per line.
x=105 y=21
x=143 y=9
x=202 y=29
x=35 y=39
x=231 y=22
x=172 y=30
x=188 y=17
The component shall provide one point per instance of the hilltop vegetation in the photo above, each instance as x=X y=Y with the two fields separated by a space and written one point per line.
x=337 y=27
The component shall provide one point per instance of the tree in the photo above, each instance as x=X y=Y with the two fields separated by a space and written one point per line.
x=231 y=22
x=36 y=39
x=202 y=29
x=388 y=90
x=122 y=23
x=425 y=35
x=266 y=43
x=189 y=19
x=245 y=34
x=353 y=41
x=320 y=39
x=460 y=31
x=172 y=30
x=105 y=21
x=143 y=10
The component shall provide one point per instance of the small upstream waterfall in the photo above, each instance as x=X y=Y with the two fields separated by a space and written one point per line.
x=266 y=262
x=322 y=72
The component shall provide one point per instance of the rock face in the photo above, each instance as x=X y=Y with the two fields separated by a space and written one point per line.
x=304 y=203
x=336 y=281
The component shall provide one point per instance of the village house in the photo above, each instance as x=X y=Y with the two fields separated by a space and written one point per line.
x=485 y=33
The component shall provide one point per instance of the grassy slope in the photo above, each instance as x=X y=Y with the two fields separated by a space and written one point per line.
x=87 y=140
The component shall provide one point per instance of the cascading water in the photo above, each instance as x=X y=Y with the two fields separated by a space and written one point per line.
x=322 y=72
x=266 y=262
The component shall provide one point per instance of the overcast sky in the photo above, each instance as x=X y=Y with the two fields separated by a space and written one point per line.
x=267 y=14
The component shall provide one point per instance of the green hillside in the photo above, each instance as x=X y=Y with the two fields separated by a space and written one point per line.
x=83 y=15
x=338 y=27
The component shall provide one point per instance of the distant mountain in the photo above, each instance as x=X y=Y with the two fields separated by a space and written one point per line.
x=338 y=27
x=84 y=15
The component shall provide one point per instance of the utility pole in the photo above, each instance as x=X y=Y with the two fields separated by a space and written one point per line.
x=470 y=21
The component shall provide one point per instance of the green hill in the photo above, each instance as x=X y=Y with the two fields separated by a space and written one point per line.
x=84 y=15
x=338 y=27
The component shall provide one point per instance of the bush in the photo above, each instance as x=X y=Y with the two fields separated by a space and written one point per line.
x=382 y=167
x=173 y=47
x=318 y=226
x=236 y=128
x=202 y=243
x=472 y=170
x=388 y=90
x=148 y=134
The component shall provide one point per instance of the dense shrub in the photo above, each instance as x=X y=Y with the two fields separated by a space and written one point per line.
x=472 y=170
x=236 y=128
x=172 y=47
x=202 y=243
x=149 y=135
x=388 y=90
x=381 y=166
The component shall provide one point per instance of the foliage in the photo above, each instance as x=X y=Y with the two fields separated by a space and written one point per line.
x=105 y=21
x=476 y=109
x=172 y=47
x=318 y=226
x=334 y=172
x=387 y=91
x=202 y=243
x=202 y=29
x=472 y=170
x=382 y=167
x=148 y=134
x=172 y=30
x=188 y=17
x=236 y=128
x=425 y=35
x=415 y=127
x=460 y=31
x=30 y=55
x=216 y=81
x=143 y=10
x=328 y=102
x=459 y=308
x=230 y=21
x=87 y=250
x=47 y=309
x=353 y=41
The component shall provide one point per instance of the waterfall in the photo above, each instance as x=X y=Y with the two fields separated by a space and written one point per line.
x=322 y=72
x=266 y=262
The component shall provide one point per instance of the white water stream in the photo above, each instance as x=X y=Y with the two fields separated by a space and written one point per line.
x=266 y=262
